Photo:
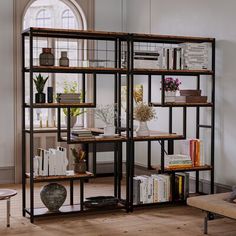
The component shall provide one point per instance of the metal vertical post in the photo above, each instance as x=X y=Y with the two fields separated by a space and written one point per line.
x=213 y=119
x=197 y=132
x=31 y=132
x=149 y=147
x=23 y=128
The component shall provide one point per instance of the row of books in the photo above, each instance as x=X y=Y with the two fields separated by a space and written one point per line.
x=186 y=56
x=193 y=148
x=157 y=188
x=151 y=189
x=70 y=98
x=50 y=162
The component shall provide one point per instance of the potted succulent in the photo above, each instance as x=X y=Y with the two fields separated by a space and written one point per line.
x=80 y=166
x=170 y=86
x=107 y=114
x=75 y=111
x=40 y=82
x=143 y=113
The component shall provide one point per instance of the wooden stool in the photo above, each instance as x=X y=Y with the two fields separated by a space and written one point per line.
x=6 y=194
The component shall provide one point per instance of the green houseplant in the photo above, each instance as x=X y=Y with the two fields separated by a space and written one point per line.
x=40 y=82
x=75 y=111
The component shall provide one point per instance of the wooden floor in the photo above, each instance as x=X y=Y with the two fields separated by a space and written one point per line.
x=169 y=221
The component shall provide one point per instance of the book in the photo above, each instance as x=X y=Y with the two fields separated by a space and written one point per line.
x=190 y=92
x=136 y=190
x=191 y=99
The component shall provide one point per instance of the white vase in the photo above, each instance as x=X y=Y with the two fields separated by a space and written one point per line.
x=142 y=129
x=109 y=130
x=73 y=120
x=170 y=96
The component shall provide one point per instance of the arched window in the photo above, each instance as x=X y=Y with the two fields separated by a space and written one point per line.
x=68 y=19
x=43 y=19
x=55 y=14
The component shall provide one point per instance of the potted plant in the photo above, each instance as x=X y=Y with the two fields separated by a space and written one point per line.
x=107 y=114
x=143 y=113
x=75 y=111
x=40 y=82
x=79 y=160
x=170 y=86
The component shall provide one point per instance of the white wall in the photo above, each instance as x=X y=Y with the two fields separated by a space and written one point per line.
x=213 y=18
x=6 y=85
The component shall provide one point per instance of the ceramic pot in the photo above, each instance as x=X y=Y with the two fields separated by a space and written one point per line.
x=109 y=130
x=142 y=129
x=73 y=120
x=80 y=167
x=53 y=196
x=64 y=60
x=170 y=96
x=40 y=98
x=46 y=58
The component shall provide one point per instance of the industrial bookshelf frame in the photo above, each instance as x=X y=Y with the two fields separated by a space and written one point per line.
x=164 y=39
x=117 y=71
x=129 y=137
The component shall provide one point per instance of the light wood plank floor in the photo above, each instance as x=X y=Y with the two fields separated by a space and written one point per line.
x=169 y=221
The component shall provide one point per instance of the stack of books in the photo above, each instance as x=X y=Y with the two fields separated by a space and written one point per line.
x=151 y=189
x=82 y=133
x=195 y=149
x=171 y=58
x=195 y=56
x=50 y=162
x=190 y=96
x=178 y=161
x=146 y=59
x=181 y=186
x=68 y=98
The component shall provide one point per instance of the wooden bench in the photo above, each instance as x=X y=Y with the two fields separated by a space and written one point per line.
x=213 y=205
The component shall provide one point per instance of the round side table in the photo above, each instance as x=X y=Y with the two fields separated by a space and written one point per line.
x=6 y=194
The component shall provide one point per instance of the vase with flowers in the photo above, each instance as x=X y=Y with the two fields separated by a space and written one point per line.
x=143 y=113
x=79 y=160
x=107 y=114
x=171 y=86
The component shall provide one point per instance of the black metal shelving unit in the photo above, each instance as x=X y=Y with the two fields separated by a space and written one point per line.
x=116 y=71
x=119 y=39
x=166 y=39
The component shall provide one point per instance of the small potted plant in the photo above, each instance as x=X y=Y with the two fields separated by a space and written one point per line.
x=143 y=113
x=40 y=82
x=170 y=86
x=79 y=161
x=75 y=111
x=107 y=114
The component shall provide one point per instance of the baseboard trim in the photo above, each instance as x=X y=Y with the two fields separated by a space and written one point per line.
x=7 y=175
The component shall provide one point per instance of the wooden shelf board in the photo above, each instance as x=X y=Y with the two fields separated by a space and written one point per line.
x=95 y=140
x=60 y=177
x=171 y=72
x=58 y=31
x=61 y=69
x=196 y=168
x=60 y=105
x=182 y=104
x=70 y=209
x=157 y=135
x=138 y=36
